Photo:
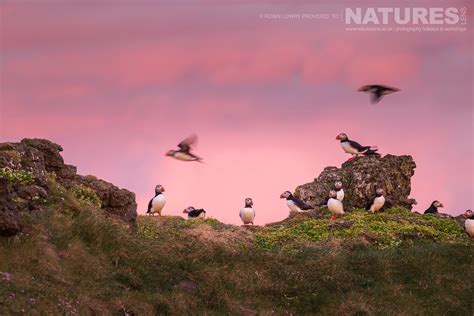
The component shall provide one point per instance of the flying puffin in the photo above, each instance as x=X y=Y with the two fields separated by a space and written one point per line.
x=334 y=205
x=377 y=91
x=295 y=204
x=184 y=151
x=157 y=203
x=433 y=209
x=247 y=214
x=195 y=213
x=377 y=202
x=469 y=223
x=354 y=148
x=339 y=190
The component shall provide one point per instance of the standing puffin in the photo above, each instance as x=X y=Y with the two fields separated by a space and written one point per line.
x=469 y=223
x=334 y=205
x=377 y=91
x=247 y=214
x=295 y=204
x=354 y=148
x=433 y=209
x=184 y=151
x=157 y=203
x=195 y=213
x=377 y=202
x=339 y=190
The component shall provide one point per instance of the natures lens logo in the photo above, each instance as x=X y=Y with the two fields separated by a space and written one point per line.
x=404 y=16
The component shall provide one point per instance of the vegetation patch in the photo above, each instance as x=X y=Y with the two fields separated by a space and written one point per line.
x=86 y=195
x=387 y=229
x=14 y=176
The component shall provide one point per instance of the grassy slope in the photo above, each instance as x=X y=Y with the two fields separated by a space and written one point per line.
x=71 y=259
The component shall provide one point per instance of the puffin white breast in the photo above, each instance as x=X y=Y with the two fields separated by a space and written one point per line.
x=469 y=226
x=348 y=148
x=293 y=207
x=158 y=203
x=335 y=206
x=378 y=203
x=183 y=156
x=247 y=214
x=340 y=194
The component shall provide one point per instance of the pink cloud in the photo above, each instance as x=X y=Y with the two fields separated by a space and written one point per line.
x=123 y=84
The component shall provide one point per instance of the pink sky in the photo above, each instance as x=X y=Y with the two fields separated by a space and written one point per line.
x=118 y=84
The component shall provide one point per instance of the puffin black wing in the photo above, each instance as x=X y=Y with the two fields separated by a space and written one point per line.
x=150 y=204
x=376 y=96
x=366 y=150
x=196 y=213
x=366 y=88
x=302 y=205
x=387 y=90
x=358 y=146
x=369 y=204
x=377 y=91
x=431 y=210
x=186 y=144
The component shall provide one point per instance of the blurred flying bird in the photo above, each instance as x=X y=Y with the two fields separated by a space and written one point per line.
x=377 y=91
x=184 y=151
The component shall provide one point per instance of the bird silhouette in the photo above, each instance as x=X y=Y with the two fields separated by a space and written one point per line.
x=377 y=91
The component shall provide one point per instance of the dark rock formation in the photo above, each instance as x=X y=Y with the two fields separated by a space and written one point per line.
x=24 y=171
x=360 y=178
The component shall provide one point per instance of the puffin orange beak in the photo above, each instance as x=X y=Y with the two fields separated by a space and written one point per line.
x=338 y=137
x=441 y=205
x=281 y=196
x=163 y=189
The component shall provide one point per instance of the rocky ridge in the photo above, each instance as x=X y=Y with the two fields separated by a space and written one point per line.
x=360 y=178
x=26 y=169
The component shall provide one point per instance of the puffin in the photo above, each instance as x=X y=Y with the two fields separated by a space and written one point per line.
x=295 y=204
x=157 y=203
x=469 y=223
x=334 y=205
x=184 y=151
x=377 y=91
x=377 y=202
x=339 y=190
x=433 y=209
x=247 y=214
x=354 y=148
x=195 y=213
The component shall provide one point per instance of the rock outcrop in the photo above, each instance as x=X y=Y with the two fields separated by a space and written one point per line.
x=25 y=168
x=360 y=178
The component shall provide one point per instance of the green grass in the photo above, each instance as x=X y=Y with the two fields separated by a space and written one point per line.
x=71 y=259
x=392 y=228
